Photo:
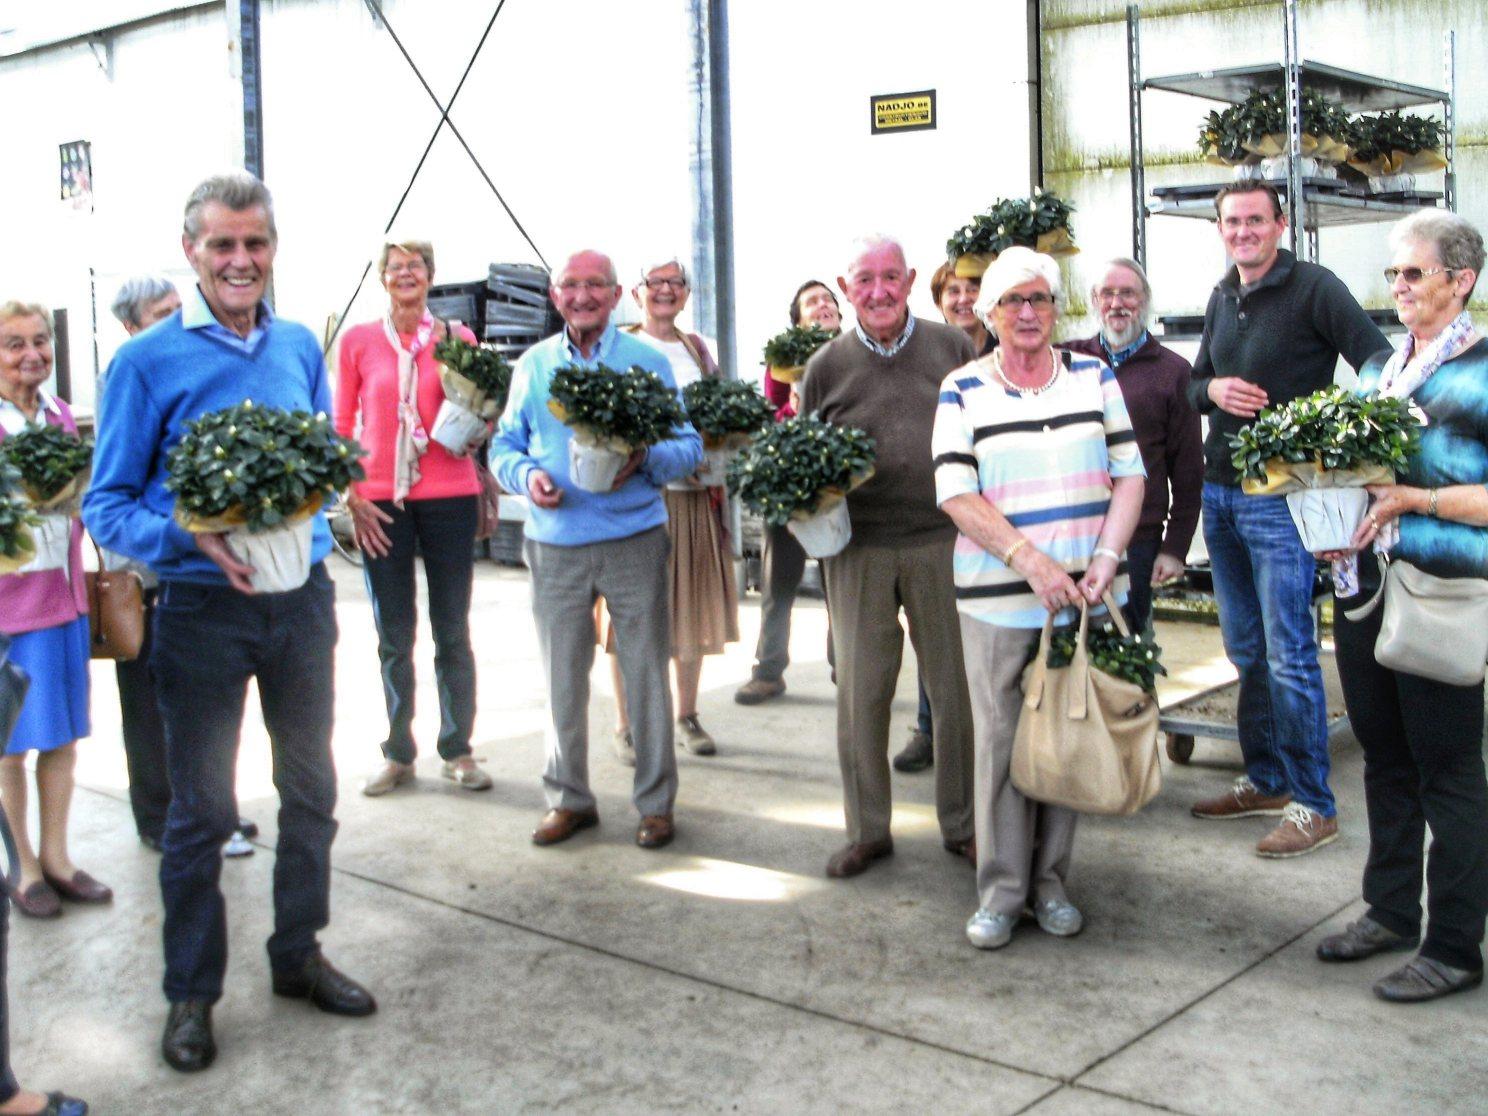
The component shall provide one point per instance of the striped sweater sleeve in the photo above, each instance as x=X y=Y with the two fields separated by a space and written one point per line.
x=1122 y=451
x=951 y=441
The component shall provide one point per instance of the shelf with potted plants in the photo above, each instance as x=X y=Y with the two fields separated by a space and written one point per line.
x=797 y=474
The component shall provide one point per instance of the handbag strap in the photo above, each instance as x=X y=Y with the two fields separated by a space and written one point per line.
x=1363 y=611
x=1034 y=693
x=1079 y=675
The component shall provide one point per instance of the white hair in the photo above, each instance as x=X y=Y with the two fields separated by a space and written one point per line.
x=568 y=257
x=872 y=242
x=669 y=261
x=1012 y=268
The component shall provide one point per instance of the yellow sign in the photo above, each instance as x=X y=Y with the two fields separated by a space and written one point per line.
x=902 y=112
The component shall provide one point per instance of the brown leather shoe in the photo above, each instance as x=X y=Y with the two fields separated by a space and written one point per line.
x=560 y=824
x=1243 y=800
x=655 y=831
x=854 y=860
x=82 y=888
x=1301 y=830
x=757 y=690
x=38 y=901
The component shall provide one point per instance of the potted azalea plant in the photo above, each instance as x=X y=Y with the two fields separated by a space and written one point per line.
x=1133 y=658
x=797 y=474
x=1222 y=139
x=1260 y=122
x=1040 y=222
x=612 y=415
x=476 y=379
x=53 y=466
x=1392 y=148
x=259 y=474
x=786 y=353
x=17 y=544
x=726 y=414
x=1320 y=451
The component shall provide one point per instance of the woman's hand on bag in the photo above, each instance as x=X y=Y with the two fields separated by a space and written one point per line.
x=1098 y=577
x=366 y=526
x=1047 y=578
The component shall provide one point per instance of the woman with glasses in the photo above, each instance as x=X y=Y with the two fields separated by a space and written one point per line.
x=705 y=595
x=1423 y=739
x=417 y=498
x=1037 y=464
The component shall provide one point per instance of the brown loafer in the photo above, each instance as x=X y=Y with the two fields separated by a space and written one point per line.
x=559 y=825
x=82 y=888
x=655 y=831
x=38 y=901
x=854 y=860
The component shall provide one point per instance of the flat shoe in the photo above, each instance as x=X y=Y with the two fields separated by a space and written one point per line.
x=187 y=1044
x=625 y=747
x=82 y=888
x=559 y=824
x=1424 y=978
x=1363 y=939
x=466 y=775
x=60 y=1104
x=655 y=831
x=325 y=986
x=38 y=901
x=695 y=738
x=388 y=776
x=854 y=860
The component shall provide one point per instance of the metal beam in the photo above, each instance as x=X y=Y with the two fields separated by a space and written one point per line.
x=250 y=45
x=711 y=168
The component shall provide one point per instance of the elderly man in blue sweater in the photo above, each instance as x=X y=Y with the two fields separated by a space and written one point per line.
x=583 y=545
x=212 y=631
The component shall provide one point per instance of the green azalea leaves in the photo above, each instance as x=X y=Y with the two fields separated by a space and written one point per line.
x=1135 y=658
x=635 y=407
x=794 y=347
x=482 y=365
x=261 y=461
x=788 y=465
x=1374 y=136
x=717 y=407
x=47 y=458
x=1012 y=221
x=1334 y=428
x=15 y=512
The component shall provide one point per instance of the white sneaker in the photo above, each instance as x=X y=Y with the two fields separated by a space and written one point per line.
x=237 y=845
x=986 y=930
x=625 y=747
x=1059 y=917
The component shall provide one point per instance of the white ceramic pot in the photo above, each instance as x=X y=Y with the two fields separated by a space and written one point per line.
x=594 y=468
x=52 y=536
x=714 y=471
x=457 y=429
x=1327 y=518
x=280 y=558
x=825 y=533
x=1391 y=183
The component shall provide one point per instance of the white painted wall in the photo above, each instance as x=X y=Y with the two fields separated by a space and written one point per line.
x=579 y=111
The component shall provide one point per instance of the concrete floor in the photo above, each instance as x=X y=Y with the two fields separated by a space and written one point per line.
x=725 y=973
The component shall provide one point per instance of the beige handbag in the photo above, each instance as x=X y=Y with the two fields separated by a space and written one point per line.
x=1086 y=740
x=1433 y=627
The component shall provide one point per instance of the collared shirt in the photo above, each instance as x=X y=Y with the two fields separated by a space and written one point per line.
x=1117 y=357
x=13 y=420
x=888 y=350
x=196 y=314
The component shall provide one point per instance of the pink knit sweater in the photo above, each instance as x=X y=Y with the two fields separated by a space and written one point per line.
x=368 y=385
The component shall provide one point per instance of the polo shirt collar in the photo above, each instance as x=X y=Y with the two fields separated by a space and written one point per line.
x=601 y=349
x=891 y=349
x=1117 y=357
x=196 y=314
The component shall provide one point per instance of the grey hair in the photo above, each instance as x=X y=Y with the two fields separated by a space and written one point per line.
x=872 y=242
x=1130 y=265
x=15 y=308
x=136 y=293
x=1012 y=268
x=237 y=191
x=568 y=258
x=669 y=261
x=1458 y=244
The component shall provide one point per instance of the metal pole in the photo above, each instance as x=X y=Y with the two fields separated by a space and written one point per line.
x=711 y=169
x=1138 y=167
x=251 y=44
x=1449 y=121
x=1296 y=210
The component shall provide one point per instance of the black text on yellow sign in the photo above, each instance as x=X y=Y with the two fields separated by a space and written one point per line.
x=902 y=112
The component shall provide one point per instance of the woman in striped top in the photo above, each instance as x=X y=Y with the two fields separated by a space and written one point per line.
x=1036 y=462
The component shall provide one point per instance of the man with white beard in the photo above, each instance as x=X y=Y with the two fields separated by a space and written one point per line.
x=1154 y=383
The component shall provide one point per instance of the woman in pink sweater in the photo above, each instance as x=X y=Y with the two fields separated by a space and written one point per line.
x=417 y=497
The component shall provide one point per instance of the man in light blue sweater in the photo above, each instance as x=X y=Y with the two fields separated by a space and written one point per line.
x=583 y=545
x=212 y=631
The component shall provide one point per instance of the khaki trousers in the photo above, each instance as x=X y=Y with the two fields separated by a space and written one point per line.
x=866 y=588
x=1023 y=846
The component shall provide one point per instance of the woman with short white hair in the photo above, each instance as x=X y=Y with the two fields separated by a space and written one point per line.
x=1037 y=464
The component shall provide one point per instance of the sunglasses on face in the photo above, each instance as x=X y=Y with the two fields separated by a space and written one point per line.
x=1413 y=275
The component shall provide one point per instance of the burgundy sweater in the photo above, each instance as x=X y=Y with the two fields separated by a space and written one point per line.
x=1154 y=383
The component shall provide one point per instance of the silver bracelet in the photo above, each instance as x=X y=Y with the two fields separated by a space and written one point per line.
x=1107 y=552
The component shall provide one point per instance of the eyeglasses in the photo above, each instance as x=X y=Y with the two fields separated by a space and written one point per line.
x=411 y=266
x=593 y=286
x=1413 y=275
x=1111 y=294
x=1015 y=302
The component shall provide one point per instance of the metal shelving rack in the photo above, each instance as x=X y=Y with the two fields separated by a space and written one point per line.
x=1312 y=203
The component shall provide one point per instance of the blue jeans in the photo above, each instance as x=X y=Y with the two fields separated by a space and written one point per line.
x=1263 y=581
x=209 y=641
x=443 y=533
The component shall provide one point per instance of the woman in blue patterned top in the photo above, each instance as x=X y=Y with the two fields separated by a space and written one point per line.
x=1422 y=739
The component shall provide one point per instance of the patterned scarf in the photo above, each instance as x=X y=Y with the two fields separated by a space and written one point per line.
x=413 y=440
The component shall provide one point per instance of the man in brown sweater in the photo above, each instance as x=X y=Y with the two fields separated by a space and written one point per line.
x=884 y=377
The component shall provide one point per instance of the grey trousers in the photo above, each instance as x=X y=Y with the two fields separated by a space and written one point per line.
x=780 y=576
x=631 y=575
x=1023 y=846
x=866 y=588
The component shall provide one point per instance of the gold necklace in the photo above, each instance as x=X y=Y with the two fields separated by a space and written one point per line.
x=1017 y=389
